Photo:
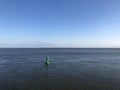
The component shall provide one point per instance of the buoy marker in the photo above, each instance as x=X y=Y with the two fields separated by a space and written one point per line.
x=47 y=60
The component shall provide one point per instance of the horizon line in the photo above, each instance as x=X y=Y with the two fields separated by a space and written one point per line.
x=56 y=47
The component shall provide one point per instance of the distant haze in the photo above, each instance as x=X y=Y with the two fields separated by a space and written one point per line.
x=59 y=45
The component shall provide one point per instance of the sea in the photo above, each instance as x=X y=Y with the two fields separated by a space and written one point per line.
x=69 y=69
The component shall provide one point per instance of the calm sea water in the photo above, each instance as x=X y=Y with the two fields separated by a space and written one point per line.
x=69 y=69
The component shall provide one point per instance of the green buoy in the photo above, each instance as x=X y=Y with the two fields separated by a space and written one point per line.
x=47 y=60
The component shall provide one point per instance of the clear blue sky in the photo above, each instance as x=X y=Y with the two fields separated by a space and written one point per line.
x=59 y=23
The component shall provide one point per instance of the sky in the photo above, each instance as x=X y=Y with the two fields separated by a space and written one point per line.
x=59 y=23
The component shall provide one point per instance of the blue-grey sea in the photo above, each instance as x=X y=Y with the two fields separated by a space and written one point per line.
x=69 y=69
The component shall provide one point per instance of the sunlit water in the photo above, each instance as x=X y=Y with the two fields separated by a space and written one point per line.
x=69 y=69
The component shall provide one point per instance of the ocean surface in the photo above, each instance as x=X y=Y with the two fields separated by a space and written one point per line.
x=69 y=69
